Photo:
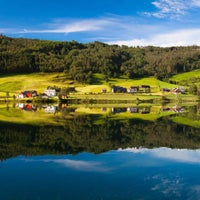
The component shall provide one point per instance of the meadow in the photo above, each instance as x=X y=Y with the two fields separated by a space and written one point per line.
x=14 y=84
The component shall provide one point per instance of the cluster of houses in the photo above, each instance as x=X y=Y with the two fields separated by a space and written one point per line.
x=33 y=93
x=132 y=89
x=144 y=89
x=50 y=92
x=174 y=90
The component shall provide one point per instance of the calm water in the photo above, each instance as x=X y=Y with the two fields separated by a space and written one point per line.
x=100 y=156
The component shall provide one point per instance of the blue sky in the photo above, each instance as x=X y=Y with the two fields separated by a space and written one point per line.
x=128 y=22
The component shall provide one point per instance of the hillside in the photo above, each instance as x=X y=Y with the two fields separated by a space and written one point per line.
x=82 y=61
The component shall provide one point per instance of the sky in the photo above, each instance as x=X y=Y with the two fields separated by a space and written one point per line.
x=124 y=22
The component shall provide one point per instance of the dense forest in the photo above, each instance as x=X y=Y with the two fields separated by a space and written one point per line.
x=80 y=61
x=81 y=134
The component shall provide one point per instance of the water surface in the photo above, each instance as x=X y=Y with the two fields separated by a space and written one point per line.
x=123 y=153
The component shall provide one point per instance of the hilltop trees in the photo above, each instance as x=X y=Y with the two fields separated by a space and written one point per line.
x=80 y=61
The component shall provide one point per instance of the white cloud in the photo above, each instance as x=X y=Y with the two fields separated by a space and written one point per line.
x=173 y=8
x=183 y=37
x=195 y=3
x=183 y=155
x=74 y=26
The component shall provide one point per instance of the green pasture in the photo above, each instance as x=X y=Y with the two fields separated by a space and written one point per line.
x=187 y=78
x=13 y=84
x=36 y=81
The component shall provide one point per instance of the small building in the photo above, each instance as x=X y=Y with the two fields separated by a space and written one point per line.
x=133 y=89
x=146 y=88
x=178 y=90
x=44 y=96
x=104 y=90
x=50 y=92
x=119 y=89
x=166 y=90
x=28 y=94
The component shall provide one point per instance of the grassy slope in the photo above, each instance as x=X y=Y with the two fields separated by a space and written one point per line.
x=188 y=77
x=39 y=81
x=36 y=81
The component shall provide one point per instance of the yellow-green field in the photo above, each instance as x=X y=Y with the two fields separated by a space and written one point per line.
x=36 y=81
x=40 y=81
x=13 y=84
x=193 y=76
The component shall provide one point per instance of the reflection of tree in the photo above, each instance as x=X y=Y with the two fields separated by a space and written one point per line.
x=82 y=134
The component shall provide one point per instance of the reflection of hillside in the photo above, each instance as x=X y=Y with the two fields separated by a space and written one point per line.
x=81 y=133
x=114 y=110
x=57 y=114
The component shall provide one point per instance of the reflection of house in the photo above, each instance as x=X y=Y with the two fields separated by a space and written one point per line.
x=118 y=110
x=145 y=110
x=133 y=110
x=178 y=109
x=119 y=89
x=133 y=89
x=28 y=94
x=50 y=92
x=27 y=107
x=50 y=109
x=165 y=109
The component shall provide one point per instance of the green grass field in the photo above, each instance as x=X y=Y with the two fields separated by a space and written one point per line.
x=187 y=78
x=13 y=84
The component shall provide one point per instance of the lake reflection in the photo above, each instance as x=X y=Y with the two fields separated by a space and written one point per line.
x=133 y=152
x=160 y=173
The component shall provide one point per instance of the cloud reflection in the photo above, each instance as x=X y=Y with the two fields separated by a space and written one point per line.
x=179 y=155
x=75 y=164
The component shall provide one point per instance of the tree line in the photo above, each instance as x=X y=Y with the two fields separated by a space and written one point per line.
x=81 y=61
x=82 y=134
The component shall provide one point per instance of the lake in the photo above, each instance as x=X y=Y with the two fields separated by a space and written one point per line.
x=92 y=152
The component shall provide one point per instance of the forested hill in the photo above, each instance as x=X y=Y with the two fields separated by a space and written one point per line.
x=80 y=61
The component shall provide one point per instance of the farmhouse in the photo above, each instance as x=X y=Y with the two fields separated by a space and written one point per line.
x=104 y=90
x=50 y=92
x=133 y=89
x=146 y=88
x=116 y=89
x=178 y=90
x=166 y=90
x=27 y=94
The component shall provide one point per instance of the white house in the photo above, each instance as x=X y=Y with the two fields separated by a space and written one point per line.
x=50 y=92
